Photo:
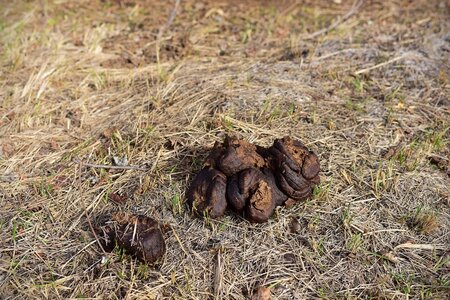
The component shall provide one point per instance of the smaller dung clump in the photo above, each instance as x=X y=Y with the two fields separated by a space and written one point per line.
x=139 y=235
x=253 y=180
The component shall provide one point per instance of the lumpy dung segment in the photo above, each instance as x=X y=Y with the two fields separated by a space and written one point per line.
x=253 y=180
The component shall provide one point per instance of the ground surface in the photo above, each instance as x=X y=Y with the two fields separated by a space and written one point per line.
x=82 y=82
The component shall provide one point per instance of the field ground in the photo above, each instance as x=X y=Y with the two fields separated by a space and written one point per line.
x=365 y=85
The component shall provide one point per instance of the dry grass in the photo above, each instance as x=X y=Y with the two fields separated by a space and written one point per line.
x=85 y=82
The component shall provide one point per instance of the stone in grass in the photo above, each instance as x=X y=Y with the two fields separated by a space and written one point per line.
x=139 y=235
x=206 y=194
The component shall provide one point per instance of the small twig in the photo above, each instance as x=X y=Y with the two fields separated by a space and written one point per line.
x=349 y=50
x=76 y=254
x=419 y=246
x=165 y=27
x=384 y=230
x=88 y=218
x=134 y=232
x=218 y=276
x=116 y=167
x=357 y=228
x=354 y=10
x=111 y=167
x=380 y=65
x=169 y=20
x=179 y=241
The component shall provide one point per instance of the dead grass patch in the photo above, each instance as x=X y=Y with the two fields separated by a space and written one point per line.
x=70 y=99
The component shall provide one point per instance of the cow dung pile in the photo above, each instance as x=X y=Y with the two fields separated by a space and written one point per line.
x=253 y=180
x=250 y=179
